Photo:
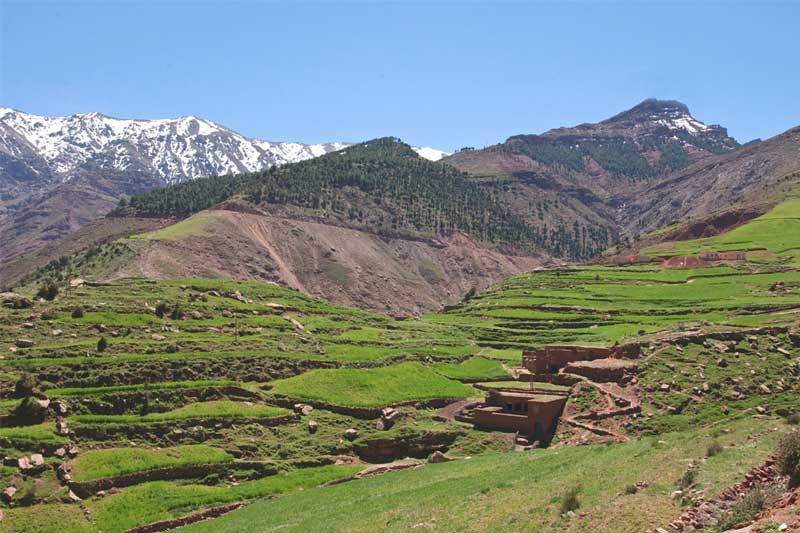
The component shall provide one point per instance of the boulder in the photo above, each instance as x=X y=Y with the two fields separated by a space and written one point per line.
x=157 y=337
x=8 y=494
x=389 y=413
x=24 y=343
x=37 y=459
x=74 y=497
x=61 y=427
x=60 y=453
x=351 y=434
x=56 y=333
x=438 y=457
x=197 y=315
x=306 y=410
x=59 y=407
x=13 y=300
x=227 y=314
x=23 y=463
x=312 y=426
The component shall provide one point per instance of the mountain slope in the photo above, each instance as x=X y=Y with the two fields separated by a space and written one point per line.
x=381 y=185
x=172 y=150
x=715 y=183
x=94 y=160
x=373 y=225
x=640 y=170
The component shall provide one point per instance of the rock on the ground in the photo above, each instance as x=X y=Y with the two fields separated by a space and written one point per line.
x=312 y=426
x=8 y=494
x=351 y=434
x=438 y=457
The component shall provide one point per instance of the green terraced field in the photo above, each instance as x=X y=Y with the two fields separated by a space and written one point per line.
x=161 y=500
x=203 y=410
x=376 y=387
x=514 y=492
x=118 y=461
x=777 y=232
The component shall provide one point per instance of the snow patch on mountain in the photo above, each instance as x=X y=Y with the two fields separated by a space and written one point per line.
x=432 y=154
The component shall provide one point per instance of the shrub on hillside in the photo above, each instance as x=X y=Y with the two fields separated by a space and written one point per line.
x=713 y=449
x=177 y=313
x=687 y=479
x=631 y=489
x=49 y=314
x=787 y=457
x=794 y=419
x=26 y=386
x=570 y=500
x=48 y=290
x=752 y=503
x=102 y=344
x=77 y=312
x=30 y=411
x=161 y=309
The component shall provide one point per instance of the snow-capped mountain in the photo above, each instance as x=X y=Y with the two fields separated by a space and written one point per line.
x=170 y=149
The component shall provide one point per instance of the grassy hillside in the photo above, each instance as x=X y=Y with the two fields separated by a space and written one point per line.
x=777 y=233
x=522 y=491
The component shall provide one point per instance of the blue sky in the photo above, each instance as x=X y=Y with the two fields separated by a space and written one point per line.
x=442 y=74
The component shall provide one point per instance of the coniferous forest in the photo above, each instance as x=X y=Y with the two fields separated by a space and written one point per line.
x=381 y=186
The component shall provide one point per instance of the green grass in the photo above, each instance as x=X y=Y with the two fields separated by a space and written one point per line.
x=29 y=434
x=98 y=464
x=195 y=226
x=777 y=231
x=67 y=392
x=501 y=492
x=46 y=518
x=473 y=368
x=163 y=500
x=375 y=387
x=202 y=410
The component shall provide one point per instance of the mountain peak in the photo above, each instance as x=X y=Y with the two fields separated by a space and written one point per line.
x=649 y=109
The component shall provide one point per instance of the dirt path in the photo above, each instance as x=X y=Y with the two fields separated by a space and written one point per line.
x=449 y=411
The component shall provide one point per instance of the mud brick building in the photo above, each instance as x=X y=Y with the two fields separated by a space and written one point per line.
x=529 y=413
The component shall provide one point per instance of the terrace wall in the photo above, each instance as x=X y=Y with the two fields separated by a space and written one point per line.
x=551 y=359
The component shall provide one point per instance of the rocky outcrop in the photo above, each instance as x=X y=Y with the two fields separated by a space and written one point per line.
x=704 y=511
x=419 y=446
